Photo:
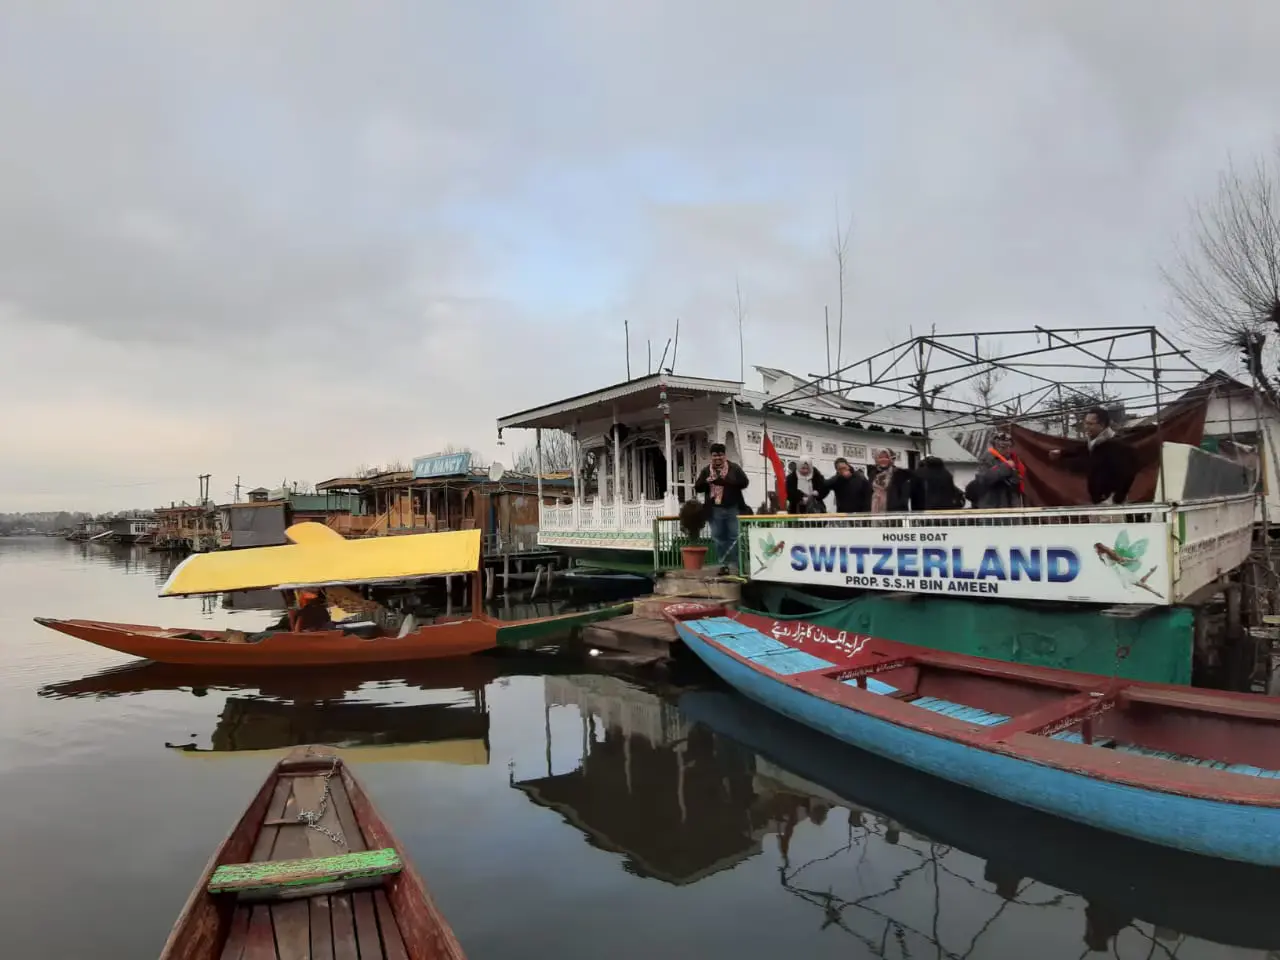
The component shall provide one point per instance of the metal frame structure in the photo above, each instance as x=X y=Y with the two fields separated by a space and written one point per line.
x=1042 y=371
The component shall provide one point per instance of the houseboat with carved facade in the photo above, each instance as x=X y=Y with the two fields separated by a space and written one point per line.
x=649 y=437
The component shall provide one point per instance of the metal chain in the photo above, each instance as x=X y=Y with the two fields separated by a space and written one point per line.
x=312 y=818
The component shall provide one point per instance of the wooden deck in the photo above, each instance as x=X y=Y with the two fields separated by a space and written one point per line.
x=348 y=926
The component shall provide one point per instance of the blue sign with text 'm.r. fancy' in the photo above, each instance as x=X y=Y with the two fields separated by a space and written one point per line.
x=441 y=465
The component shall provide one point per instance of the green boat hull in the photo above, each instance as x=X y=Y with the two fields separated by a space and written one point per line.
x=1155 y=647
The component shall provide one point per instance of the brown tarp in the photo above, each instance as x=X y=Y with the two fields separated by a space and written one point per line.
x=1053 y=483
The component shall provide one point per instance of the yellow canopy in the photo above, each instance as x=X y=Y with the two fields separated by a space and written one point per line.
x=317 y=560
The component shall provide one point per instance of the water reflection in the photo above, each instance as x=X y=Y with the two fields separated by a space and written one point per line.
x=678 y=802
x=684 y=792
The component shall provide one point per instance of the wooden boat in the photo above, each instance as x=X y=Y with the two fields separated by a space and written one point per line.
x=1188 y=769
x=320 y=559
x=311 y=870
x=1118 y=875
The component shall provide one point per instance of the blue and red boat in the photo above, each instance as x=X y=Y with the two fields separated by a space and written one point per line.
x=1192 y=770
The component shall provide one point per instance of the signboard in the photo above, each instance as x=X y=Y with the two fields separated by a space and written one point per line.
x=441 y=465
x=1084 y=562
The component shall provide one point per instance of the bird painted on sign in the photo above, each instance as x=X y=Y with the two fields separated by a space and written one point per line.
x=1125 y=560
x=769 y=550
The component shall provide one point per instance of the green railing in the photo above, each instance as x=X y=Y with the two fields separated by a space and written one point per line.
x=668 y=538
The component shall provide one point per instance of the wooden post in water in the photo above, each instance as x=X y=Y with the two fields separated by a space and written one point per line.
x=537 y=581
x=506 y=572
x=488 y=586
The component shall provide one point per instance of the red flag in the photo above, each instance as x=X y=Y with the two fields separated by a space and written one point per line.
x=779 y=474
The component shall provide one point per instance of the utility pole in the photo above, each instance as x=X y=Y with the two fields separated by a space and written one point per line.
x=204 y=488
x=237 y=499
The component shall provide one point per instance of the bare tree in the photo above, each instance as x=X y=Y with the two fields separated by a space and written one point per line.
x=392 y=466
x=557 y=455
x=840 y=247
x=985 y=383
x=1070 y=406
x=1226 y=284
x=478 y=459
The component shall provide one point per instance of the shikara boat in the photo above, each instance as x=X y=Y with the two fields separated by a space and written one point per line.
x=321 y=559
x=1187 y=769
x=311 y=870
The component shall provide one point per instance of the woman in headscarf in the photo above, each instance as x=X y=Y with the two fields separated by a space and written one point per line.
x=806 y=489
x=893 y=488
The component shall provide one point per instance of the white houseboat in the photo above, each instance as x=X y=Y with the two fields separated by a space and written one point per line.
x=651 y=436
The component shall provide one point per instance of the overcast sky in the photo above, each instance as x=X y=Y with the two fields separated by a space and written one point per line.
x=281 y=240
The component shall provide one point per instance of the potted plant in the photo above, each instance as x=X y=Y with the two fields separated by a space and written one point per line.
x=693 y=516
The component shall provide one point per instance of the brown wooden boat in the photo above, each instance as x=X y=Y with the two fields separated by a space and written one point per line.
x=311 y=871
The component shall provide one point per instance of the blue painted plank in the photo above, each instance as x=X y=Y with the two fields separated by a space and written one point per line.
x=1204 y=825
x=960 y=711
x=751 y=643
x=791 y=662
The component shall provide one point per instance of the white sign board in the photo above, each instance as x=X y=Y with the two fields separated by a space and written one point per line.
x=1086 y=562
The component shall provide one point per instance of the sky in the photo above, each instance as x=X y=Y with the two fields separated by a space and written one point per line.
x=278 y=241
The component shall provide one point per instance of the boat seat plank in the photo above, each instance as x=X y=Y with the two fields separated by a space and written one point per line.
x=874 y=686
x=1259 y=708
x=292 y=924
x=261 y=942
x=284 y=878
x=392 y=943
x=233 y=947
x=1244 y=769
x=344 y=928
x=321 y=920
x=367 y=937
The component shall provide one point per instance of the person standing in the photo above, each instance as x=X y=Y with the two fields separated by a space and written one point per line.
x=806 y=489
x=893 y=488
x=998 y=485
x=936 y=486
x=1108 y=465
x=851 y=489
x=721 y=482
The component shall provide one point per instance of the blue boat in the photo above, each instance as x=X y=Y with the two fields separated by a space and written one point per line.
x=1192 y=770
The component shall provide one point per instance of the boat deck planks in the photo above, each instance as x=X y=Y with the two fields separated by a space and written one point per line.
x=311 y=928
x=344 y=928
x=321 y=928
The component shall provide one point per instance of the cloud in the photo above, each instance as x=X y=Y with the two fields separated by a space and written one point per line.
x=245 y=241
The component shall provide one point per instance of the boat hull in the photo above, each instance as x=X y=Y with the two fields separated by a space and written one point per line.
x=1244 y=831
x=399 y=912
x=283 y=649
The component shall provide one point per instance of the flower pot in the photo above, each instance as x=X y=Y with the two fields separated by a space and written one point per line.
x=693 y=558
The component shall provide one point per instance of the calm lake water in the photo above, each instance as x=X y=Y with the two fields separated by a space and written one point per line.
x=553 y=812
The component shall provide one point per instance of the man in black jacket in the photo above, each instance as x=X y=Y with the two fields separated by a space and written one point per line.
x=851 y=488
x=722 y=482
x=1109 y=466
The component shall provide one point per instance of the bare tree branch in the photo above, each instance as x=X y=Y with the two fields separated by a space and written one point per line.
x=985 y=383
x=557 y=455
x=840 y=247
x=1226 y=282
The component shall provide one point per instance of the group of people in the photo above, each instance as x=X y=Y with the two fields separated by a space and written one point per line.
x=886 y=487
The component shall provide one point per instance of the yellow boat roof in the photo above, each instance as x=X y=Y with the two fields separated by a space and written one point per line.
x=325 y=559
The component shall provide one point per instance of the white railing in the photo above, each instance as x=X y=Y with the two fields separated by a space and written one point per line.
x=595 y=516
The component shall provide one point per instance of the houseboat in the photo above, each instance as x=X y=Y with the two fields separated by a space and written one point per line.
x=186 y=527
x=448 y=491
x=131 y=530
x=652 y=435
